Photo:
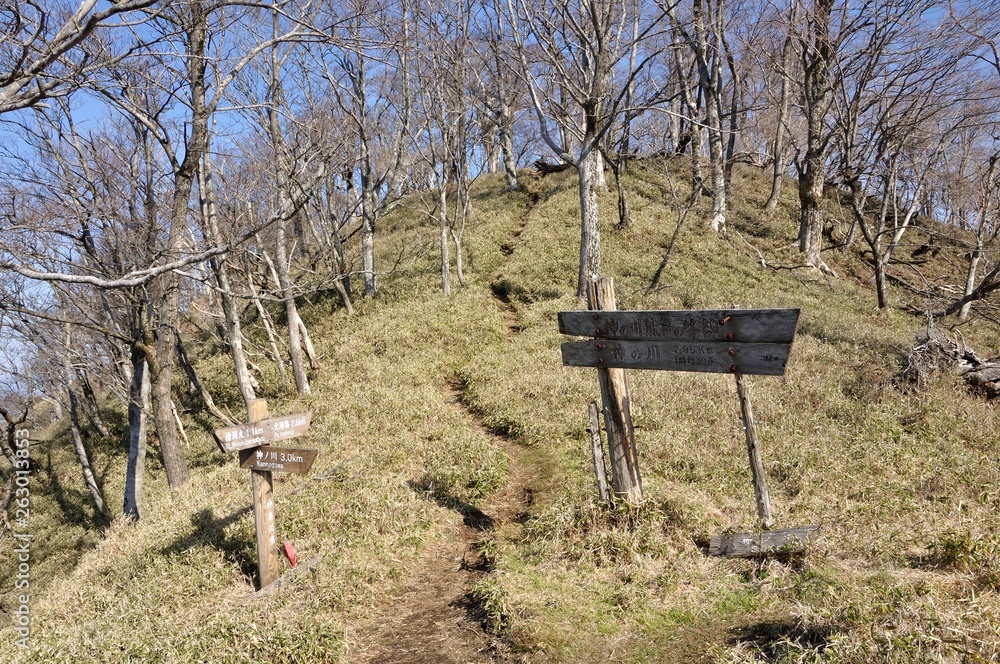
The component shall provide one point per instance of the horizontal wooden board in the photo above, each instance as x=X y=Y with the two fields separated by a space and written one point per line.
x=760 y=359
x=262 y=432
x=764 y=543
x=278 y=459
x=740 y=325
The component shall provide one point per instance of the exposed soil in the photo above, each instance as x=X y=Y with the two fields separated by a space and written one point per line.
x=434 y=618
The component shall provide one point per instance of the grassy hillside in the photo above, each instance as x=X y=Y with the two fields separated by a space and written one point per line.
x=449 y=427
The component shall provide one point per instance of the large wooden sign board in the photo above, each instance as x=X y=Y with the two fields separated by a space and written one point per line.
x=746 y=341
x=736 y=341
x=252 y=440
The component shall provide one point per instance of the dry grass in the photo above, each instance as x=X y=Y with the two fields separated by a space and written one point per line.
x=904 y=483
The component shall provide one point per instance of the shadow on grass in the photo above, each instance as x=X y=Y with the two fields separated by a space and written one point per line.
x=209 y=531
x=775 y=640
x=472 y=516
x=77 y=505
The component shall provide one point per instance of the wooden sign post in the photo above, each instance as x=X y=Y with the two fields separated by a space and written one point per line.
x=738 y=341
x=625 y=476
x=252 y=440
x=262 y=488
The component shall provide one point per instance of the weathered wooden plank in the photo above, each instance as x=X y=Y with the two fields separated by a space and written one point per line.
x=625 y=477
x=264 y=432
x=753 y=450
x=600 y=473
x=712 y=357
x=765 y=543
x=278 y=459
x=740 y=325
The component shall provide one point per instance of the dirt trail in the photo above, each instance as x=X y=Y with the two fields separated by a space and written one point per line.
x=433 y=618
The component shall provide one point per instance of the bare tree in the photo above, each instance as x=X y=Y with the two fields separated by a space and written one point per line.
x=705 y=36
x=818 y=49
x=573 y=57
x=38 y=56
x=499 y=90
x=783 y=69
x=371 y=83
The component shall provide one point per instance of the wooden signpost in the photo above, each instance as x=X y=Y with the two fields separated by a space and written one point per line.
x=252 y=440
x=738 y=341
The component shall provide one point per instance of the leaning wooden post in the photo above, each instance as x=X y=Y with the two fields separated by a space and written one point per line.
x=263 y=509
x=600 y=474
x=753 y=449
x=625 y=477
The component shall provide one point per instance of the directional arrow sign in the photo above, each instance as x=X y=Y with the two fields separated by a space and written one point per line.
x=278 y=459
x=262 y=432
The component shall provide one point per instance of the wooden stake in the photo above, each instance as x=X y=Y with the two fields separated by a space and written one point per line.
x=625 y=477
x=263 y=509
x=600 y=474
x=753 y=449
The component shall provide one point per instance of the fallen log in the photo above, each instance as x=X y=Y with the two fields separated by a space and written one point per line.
x=937 y=352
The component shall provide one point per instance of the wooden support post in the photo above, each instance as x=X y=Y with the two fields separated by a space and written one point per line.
x=753 y=449
x=625 y=477
x=263 y=510
x=600 y=474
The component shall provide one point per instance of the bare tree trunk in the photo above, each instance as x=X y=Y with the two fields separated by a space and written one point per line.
x=691 y=108
x=220 y=268
x=443 y=232
x=970 y=280
x=192 y=376
x=682 y=212
x=710 y=74
x=90 y=405
x=459 y=269
x=465 y=212
x=590 y=233
x=180 y=425
x=811 y=217
x=816 y=86
x=265 y=319
x=74 y=421
x=901 y=227
x=778 y=146
x=291 y=311
x=872 y=235
x=507 y=147
x=7 y=444
x=84 y=459
x=161 y=375
x=618 y=169
x=368 y=246
x=600 y=181
x=137 y=408
x=307 y=344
